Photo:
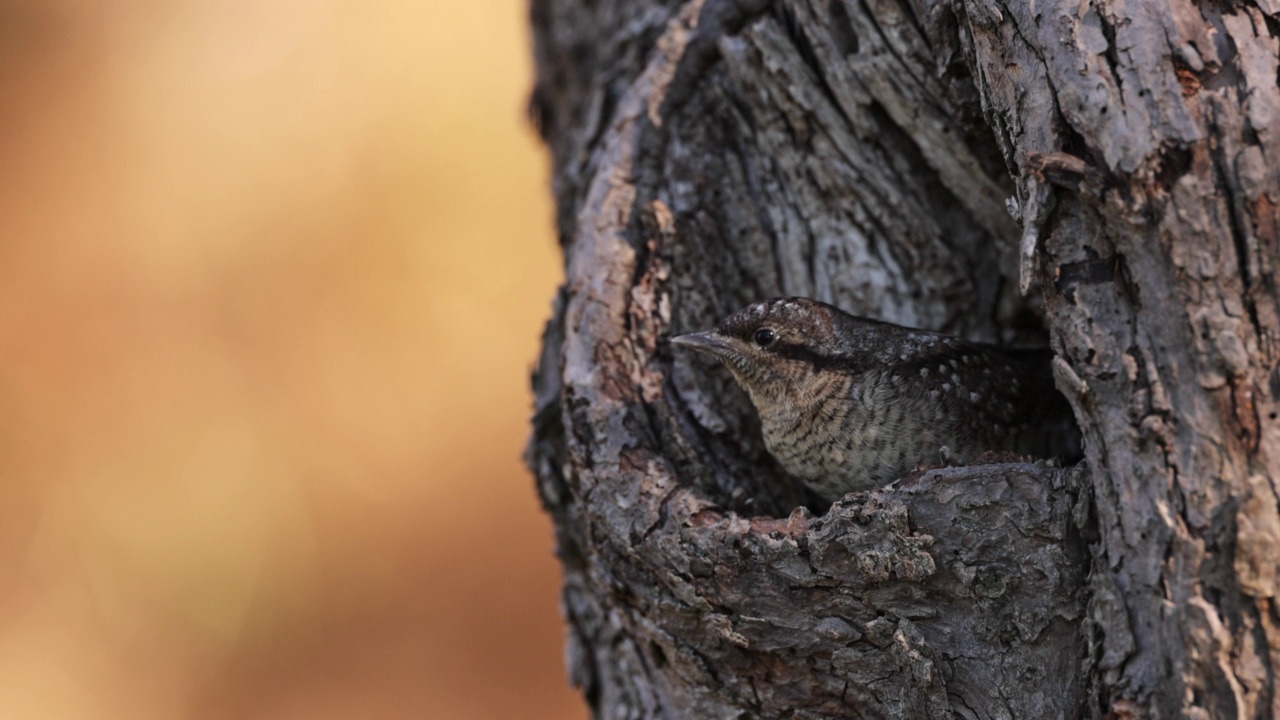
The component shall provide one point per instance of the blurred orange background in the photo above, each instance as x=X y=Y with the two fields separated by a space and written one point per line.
x=272 y=276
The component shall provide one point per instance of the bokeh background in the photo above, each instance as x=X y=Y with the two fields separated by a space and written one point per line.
x=272 y=275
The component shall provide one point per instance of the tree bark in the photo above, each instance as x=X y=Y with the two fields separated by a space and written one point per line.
x=920 y=162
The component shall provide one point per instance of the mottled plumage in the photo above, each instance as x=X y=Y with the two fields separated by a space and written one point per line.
x=848 y=403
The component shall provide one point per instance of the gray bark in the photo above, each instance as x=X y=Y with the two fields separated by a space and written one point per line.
x=712 y=153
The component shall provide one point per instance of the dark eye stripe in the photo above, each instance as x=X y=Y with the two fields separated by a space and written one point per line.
x=793 y=351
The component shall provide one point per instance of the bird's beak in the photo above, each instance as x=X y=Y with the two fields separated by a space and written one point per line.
x=708 y=342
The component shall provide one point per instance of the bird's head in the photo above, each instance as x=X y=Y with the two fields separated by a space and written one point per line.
x=774 y=347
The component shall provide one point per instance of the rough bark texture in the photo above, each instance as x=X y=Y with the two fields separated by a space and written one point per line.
x=714 y=152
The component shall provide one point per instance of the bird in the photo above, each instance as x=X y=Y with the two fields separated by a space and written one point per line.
x=848 y=403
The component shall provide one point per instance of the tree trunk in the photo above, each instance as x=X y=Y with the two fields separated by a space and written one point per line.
x=875 y=155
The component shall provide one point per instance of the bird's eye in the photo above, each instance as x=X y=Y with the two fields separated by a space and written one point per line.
x=764 y=337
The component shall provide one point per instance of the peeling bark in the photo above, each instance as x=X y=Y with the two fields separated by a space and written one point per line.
x=1163 y=305
x=715 y=152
